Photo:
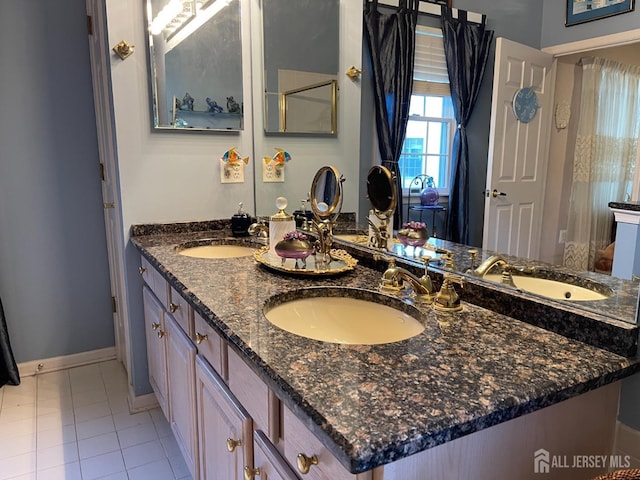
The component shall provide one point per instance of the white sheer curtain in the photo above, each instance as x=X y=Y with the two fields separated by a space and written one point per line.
x=605 y=155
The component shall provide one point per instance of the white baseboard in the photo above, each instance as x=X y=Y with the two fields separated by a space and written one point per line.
x=36 y=367
x=141 y=403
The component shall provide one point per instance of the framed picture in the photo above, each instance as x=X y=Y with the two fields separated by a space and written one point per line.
x=580 y=11
x=439 y=2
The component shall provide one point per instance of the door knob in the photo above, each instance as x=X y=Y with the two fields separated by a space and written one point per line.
x=495 y=193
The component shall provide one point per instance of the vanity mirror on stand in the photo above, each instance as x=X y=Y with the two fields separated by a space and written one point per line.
x=381 y=191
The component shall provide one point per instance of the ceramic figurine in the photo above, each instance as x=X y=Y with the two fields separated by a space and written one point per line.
x=232 y=157
x=213 y=106
x=232 y=105
x=187 y=102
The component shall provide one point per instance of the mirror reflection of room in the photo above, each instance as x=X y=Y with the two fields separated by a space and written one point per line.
x=195 y=53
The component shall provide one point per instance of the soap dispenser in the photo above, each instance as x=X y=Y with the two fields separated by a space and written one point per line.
x=279 y=224
x=240 y=222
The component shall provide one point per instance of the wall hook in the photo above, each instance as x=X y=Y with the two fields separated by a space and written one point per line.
x=123 y=49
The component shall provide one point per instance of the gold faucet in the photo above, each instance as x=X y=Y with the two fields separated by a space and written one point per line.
x=487 y=265
x=394 y=277
x=447 y=298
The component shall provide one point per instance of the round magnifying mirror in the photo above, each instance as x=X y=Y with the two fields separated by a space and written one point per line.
x=326 y=193
x=381 y=190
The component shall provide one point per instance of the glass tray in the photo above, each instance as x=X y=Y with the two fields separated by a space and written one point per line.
x=341 y=262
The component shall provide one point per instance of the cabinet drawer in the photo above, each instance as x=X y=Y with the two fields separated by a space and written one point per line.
x=299 y=440
x=181 y=311
x=268 y=461
x=254 y=395
x=211 y=346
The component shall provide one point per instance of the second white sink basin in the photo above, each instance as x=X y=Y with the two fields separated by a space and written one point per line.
x=551 y=288
x=217 y=251
x=345 y=319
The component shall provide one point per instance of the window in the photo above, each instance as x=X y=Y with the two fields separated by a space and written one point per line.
x=431 y=125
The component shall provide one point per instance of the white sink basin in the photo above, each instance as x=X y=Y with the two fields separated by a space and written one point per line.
x=217 y=251
x=551 y=288
x=344 y=319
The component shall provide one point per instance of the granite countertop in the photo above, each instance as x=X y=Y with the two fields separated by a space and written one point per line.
x=372 y=405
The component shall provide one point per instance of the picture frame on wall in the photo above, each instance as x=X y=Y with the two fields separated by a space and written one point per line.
x=446 y=3
x=581 y=11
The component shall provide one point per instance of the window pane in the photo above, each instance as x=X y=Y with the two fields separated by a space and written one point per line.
x=433 y=106
x=416 y=107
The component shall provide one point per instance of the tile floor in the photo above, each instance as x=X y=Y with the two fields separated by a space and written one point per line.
x=75 y=425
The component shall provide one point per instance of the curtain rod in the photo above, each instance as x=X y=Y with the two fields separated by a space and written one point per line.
x=434 y=9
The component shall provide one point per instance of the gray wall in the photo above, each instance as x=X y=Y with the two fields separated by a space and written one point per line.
x=54 y=279
x=555 y=33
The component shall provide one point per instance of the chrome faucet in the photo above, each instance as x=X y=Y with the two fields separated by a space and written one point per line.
x=394 y=277
x=487 y=265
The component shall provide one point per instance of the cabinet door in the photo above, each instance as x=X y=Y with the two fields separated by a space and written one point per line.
x=181 y=354
x=156 y=356
x=224 y=428
x=269 y=463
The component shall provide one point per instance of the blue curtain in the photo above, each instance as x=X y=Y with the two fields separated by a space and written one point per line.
x=391 y=41
x=466 y=47
x=8 y=368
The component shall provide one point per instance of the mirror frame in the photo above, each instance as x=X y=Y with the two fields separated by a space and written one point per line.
x=156 y=127
x=390 y=177
x=332 y=213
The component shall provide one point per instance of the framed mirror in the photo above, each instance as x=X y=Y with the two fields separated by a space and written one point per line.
x=300 y=58
x=326 y=194
x=381 y=190
x=195 y=65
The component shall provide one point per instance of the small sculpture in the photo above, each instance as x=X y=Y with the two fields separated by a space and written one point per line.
x=232 y=157
x=413 y=234
x=294 y=245
x=186 y=103
x=232 y=105
x=213 y=106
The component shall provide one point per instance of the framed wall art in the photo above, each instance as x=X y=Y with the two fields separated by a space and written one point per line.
x=581 y=11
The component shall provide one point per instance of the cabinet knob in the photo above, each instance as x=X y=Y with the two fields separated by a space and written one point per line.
x=161 y=334
x=304 y=462
x=155 y=326
x=232 y=444
x=141 y=270
x=199 y=339
x=251 y=473
x=173 y=307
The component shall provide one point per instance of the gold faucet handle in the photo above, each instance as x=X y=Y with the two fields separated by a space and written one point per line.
x=455 y=279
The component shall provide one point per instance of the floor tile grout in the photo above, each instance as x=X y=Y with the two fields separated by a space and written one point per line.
x=79 y=397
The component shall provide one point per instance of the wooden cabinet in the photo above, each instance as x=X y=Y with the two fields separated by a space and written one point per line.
x=156 y=353
x=181 y=354
x=268 y=461
x=310 y=458
x=225 y=428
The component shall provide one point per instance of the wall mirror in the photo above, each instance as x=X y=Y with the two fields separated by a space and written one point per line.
x=195 y=64
x=300 y=58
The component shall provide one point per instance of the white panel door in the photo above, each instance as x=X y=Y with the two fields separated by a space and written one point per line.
x=518 y=152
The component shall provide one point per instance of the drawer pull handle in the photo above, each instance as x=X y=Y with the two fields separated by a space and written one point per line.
x=161 y=334
x=141 y=270
x=251 y=473
x=155 y=326
x=304 y=462
x=232 y=444
x=199 y=339
x=173 y=307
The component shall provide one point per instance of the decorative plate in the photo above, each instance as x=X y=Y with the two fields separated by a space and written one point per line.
x=341 y=262
x=525 y=104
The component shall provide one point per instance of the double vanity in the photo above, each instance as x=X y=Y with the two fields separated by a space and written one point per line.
x=468 y=394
